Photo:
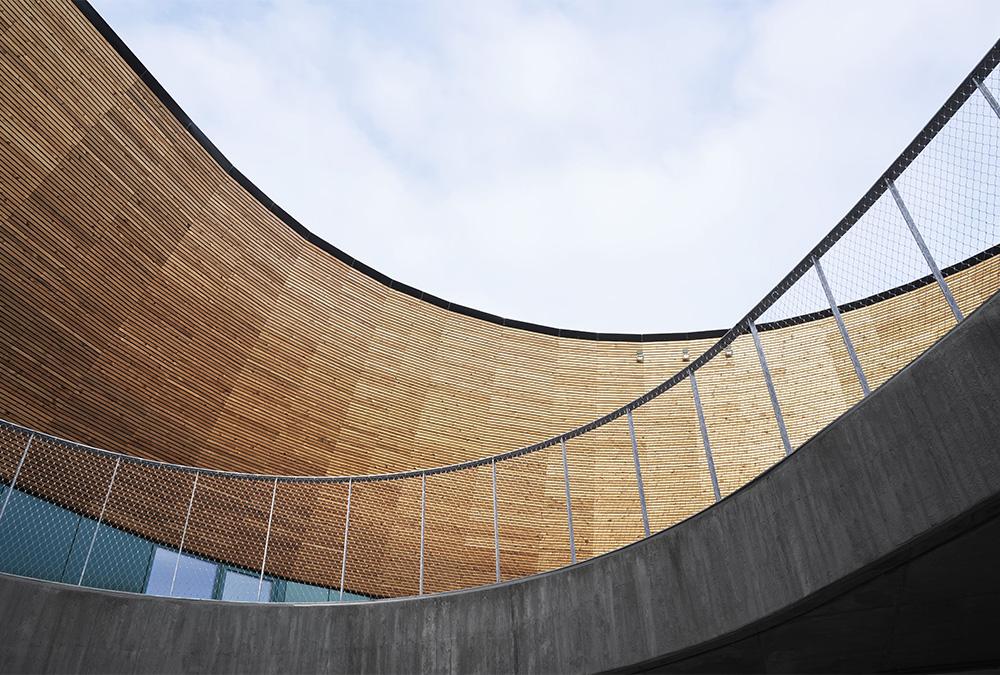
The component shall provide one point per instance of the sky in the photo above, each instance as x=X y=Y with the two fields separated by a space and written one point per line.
x=608 y=166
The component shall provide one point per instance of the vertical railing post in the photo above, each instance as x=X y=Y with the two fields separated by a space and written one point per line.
x=843 y=329
x=496 y=529
x=704 y=436
x=989 y=96
x=187 y=519
x=638 y=473
x=267 y=539
x=569 y=503
x=770 y=388
x=100 y=519
x=17 y=472
x=928 y=258
x=423 y=504
x=347 y=527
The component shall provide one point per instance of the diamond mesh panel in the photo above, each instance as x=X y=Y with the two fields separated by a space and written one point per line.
x=878 y=253
x=951 y=188
x=307 y=533
x=48 y=543
x=606 y=509
x=802 y=299
x=147 y=503
x=383 y=549
x=674 y=471
x=741 y=425
x=12 y=445
x=532 y=513
x=810 y=367
x=458 y=546
x=228 y=524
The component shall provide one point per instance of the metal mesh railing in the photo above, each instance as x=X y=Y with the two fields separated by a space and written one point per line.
x=915 y=255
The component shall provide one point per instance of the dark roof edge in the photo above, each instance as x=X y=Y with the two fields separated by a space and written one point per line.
x=928 y=132
x=182 y=117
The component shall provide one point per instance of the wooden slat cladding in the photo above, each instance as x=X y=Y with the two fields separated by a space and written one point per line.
x=383 y=550
x=458 y=547
x=65 y=476
x=12 y=445
x=307 y=534
x=155 y=307
x=151 y=305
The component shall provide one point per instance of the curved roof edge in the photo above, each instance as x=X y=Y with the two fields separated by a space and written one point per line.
x=182 y=117
x=873 y=193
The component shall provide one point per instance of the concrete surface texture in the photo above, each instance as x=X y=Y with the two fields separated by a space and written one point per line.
x=911 y=467
x=935 y=612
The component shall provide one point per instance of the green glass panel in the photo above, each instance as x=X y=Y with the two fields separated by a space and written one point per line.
x=36 y=537
x=120 y=561
x=296 y=592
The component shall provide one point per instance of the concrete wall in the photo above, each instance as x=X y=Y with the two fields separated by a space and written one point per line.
x=934 y=613
x=907 y=462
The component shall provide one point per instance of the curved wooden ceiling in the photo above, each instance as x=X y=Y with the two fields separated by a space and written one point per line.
x=181 y=319
x=140 y=255
x=157 y=306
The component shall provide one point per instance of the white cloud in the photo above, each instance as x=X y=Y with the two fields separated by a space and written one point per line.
x=616 y=167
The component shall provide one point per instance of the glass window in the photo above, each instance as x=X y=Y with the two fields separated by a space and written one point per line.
x=37 y=538
x=296 y=592
x=243 y=587
x=195 y=577
x=119 y=561
x=161 y=572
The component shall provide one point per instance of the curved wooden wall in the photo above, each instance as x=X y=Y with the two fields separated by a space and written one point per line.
x=152 y=306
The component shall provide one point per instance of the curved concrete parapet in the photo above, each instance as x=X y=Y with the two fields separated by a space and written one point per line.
x=912 y=467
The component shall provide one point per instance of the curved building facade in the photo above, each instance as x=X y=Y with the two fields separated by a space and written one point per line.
x=286 y=414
